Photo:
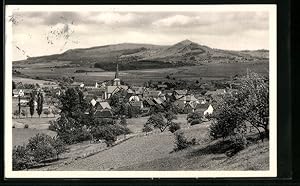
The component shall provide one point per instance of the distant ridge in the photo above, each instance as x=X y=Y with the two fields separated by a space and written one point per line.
x=136 y=55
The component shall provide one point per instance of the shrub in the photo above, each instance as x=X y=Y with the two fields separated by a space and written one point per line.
x=194 y=116
x=26 y=126
x=109 y=133
x=147 y=128
x=59 y=146
x=182 y=142
x=20 y=158
x=52 y=125
x=174 y=127
x=195 y=122
x=123 y=121
x=40 y=147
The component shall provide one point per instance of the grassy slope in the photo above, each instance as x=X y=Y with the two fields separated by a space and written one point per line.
x=155 y=152
x=255 y=157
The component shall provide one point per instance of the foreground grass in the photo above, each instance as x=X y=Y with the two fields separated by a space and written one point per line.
x=154 y=152
x=254 y=157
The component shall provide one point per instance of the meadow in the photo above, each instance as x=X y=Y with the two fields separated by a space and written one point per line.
x=210 y=71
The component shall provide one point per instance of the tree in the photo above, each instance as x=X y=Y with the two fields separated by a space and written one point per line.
x=249 y=105
x=14 y=86
x=69 y=126
x=157 y=121
x=31 y=104
x=40 y=101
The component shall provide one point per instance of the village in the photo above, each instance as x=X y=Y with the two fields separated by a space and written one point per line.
x=140 y=99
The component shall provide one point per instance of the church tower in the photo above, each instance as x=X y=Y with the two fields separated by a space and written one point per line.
x=117 y=80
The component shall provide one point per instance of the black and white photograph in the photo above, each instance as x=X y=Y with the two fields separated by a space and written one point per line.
x=140 y=91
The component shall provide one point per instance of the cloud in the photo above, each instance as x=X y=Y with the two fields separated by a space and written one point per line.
x=249 y=30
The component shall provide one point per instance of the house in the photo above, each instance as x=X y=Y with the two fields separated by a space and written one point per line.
x=138 y=90
x=208 y=111
x=104 y=113
x=179 y=93
x=152 y=93
x=77 y=84
x=162 y=87
x=148 y=103
x=134 y=98
x=188 y=108
x=111 y=90
x=136 y=104
x=22 y=92
x=102 y=105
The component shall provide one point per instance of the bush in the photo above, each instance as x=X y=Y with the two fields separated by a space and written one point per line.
x=239 y=142
x=147 y=128
x=109 y=133
x=20 y=158
x=26 y=126
x=174 y=127
x=123 y=121
x=194 y=116
x=52 y=125
x=40 y=148
x=182 y=142
x=195 y=122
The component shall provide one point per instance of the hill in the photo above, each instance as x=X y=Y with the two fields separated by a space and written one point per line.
x=145 y=56
x=154 y=152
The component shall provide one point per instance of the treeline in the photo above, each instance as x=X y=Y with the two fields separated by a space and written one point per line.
x=136 y=65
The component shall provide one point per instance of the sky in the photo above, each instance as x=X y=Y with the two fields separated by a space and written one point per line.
x=36 y=33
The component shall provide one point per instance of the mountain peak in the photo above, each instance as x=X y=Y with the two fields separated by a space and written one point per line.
x=185 y=42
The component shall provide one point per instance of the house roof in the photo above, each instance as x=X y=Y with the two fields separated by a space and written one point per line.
x=179 y=104
x=188 y=98
x=158 y=100
x=130 y=91
x=152 y=93
x=114 y=89
x=150 y=102
x=181 y=92
x=134 y=98
x=202 y=106
x=162 y=86
x=138 y=90
x=104 y=105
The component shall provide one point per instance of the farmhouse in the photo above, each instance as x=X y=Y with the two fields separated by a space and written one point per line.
x=105 y=113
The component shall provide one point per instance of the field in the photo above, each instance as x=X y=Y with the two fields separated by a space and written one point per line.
x=155 y=152
x=206 y=72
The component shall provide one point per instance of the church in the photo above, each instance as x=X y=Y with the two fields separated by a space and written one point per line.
x=110 y=90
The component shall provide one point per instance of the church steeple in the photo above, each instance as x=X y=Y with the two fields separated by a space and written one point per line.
x=117 y=80
x=117 y=71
